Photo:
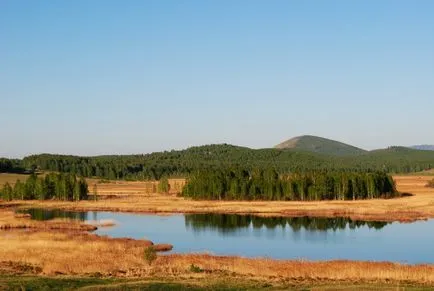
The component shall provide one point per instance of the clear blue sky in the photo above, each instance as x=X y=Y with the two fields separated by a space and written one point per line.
x=97 y=77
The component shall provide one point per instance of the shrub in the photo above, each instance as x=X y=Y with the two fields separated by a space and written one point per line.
x=430 y=184
x=195 y=269
x=150 y=255
x=163 y=186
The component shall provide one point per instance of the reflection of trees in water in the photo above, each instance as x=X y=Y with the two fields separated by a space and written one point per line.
x=233 y=222
x=44 y=214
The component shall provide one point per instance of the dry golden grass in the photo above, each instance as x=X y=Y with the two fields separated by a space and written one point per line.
x=12 y=178
x=129 y=188
x=84 y=254
x=418 y=206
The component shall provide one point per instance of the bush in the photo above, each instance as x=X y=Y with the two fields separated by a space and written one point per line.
x=163 y=186
x=195 y=269
x=150 y=255
x=430 y=184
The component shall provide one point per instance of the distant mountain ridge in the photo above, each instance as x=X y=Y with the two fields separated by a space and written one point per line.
x=423 y=147
x=320 y=145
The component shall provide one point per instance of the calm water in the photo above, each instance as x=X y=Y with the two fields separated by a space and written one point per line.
x=280 y=238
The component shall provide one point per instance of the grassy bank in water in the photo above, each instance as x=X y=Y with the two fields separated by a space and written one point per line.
x=10 y=222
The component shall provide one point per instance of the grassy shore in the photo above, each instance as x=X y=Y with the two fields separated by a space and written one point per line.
x=419 y=205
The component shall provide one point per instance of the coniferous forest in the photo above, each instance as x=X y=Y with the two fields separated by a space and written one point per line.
x=183 y=163
x=11 y=166
x=267 y=184
x=53 y=186
x=227 y=172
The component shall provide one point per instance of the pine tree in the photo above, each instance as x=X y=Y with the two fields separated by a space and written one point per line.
x=6 y=192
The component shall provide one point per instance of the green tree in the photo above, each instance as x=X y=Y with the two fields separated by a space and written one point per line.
x=150 y=255
x=163 y=185
x=19 y=190
x=95 y=192
x=7 y=192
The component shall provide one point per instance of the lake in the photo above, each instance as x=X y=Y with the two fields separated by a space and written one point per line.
x=275 y=237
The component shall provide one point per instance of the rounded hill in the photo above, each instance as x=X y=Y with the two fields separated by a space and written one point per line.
x=321 y=145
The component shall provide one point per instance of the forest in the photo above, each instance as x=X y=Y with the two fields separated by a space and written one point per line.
x=258 y=184
x=185 y=162
x=11 y=166
x=53 y=186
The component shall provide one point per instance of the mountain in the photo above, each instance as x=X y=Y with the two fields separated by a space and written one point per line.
x=320 y=145
x=423 y=147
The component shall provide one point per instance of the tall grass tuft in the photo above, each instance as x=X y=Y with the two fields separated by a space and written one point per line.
x=150 y=255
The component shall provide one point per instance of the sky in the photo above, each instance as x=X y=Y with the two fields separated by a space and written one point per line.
x=117 y=77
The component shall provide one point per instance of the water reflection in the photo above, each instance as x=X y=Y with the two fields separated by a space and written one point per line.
x=229 y=223
x=45 y=214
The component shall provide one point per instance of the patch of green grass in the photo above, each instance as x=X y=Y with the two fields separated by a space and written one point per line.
x=53 y=283
x=223 y=284
x=195 y=269
x=47 y=283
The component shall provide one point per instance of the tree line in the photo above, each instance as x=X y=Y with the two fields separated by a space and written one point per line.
x=185 y=162
x=11 y=166
x=53 y=186
x=258 y=184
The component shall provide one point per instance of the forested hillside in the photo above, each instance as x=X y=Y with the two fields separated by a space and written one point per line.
x=182 y=163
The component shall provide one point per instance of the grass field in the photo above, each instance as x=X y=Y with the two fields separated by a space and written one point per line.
x=11 y=178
